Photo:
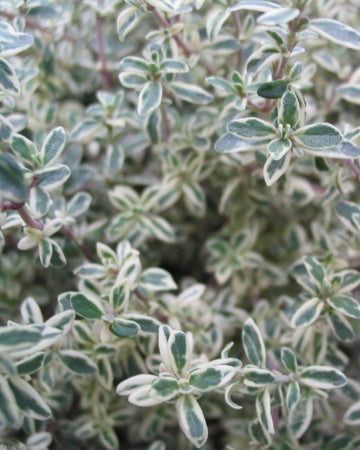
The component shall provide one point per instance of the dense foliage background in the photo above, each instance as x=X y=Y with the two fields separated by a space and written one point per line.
x=180 y=224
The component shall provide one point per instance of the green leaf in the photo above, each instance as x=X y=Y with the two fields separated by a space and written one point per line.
x=191 y=93
x=178 y=351
x=322 y=377
x=346 y=305
x=124 y=197
x=24 y=148
x=53 y=145
x=153 y=127
x=292 y=395
x=30 y=364
x=85 y=131
x=255 y=377
x=105 y=373
x=278 y=16
x=223 y=86
x=194 y=198
x=258 y=434
x=142 y=397
x=155 y=279
x=164 y=388
x=114 y=159
x=45 y=252
x=173 y=66
x=77 y=362
x=272 y=89
x=315 y=270
x=150 y=98
x=158 y=227
x=130 y=385
x=336 y=32
x=28 y=400
x=348 y=280
x=53 y=177
x=63 y=321
x=124 y=328
x=346 y=211
x=58 y=258
x=300 y=416
x=30 y=311
x=79 y=204
x=350 y=93
x=12 y=182
x=191 y=294
x=345 y=150
x=215 y=21
x=255 y=5
x=288 y=358
x=86 y=307
x=127 y=20
x=278 y=148
x=263 y=409
x=13 y=42
x=263 y=57
x=39 y=441
x=352 y=415
x=274 y=169
x=9 y=81
x=307 y=314
x=18 y=337
x=341 y=327
x=253 y=343
x=148 y=325
x=230 y=143
x=91 y=271
x=6 y=129
x=8 y=407
x=39 y=201
x=119 y=296
x=289 y=109
x=252 y=128
x=134 y=63
x=217 y=246
x=318 y=136
x=210 y=378
x=192 y=420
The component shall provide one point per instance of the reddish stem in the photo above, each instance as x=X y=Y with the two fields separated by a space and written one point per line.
x=28 y=218
x=106 y=77
x=166 y=122
x=354 y=167
x=32 y=24
x=186 y=49
x=31 y=222
x=237 y=33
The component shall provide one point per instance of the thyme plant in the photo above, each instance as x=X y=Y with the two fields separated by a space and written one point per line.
x=179 y=224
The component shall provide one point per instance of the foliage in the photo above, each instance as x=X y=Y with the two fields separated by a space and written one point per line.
x=179 y=224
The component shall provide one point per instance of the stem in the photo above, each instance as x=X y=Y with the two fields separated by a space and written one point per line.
x=68 y=233
x=29 y=219
x=32 y=24
x=157 y=313
x=166 y=122
x=265 y=107
x=187 y=50
x=106 y=77
x=139 y=295
x=275 y=415
x=237 y=33
x=280 y=68
x=31 y=222
x=354 y=167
